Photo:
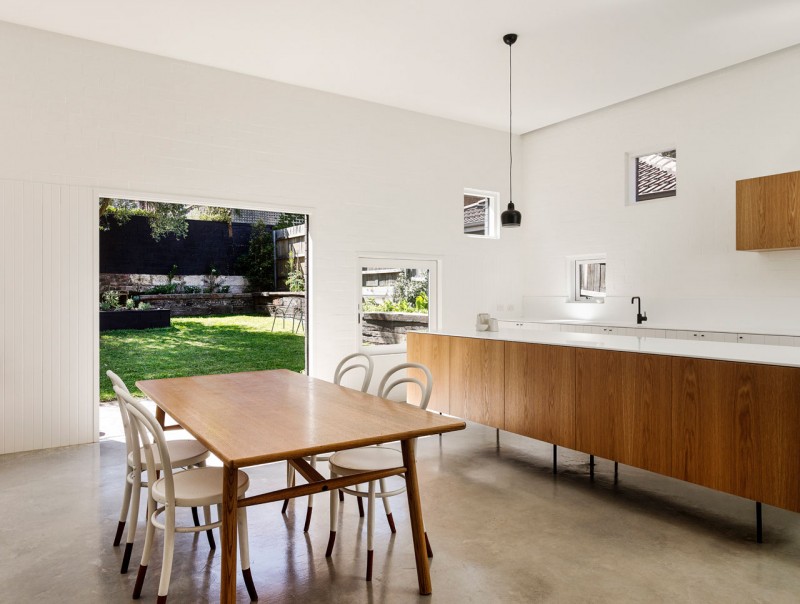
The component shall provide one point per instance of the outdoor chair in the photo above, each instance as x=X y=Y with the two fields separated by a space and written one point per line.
x=183 y=453
x=194 y=487
x=373 y=458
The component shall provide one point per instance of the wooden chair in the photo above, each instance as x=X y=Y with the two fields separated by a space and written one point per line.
x=195 y=487
x=379 y=457
x=183 y=453
x=350 y=362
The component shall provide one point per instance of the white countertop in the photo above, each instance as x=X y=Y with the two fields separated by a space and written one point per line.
x=655 y=325
x=764 y=354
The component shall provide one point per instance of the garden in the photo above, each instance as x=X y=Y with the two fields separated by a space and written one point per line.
x=200 y=345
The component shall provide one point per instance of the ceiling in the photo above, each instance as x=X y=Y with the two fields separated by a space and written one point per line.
x=442 y=57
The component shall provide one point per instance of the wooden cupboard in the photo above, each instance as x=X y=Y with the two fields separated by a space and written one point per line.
x=542 y=405
x=623 y=407
x=768 y=212
x=730 y=426
x=436 y=355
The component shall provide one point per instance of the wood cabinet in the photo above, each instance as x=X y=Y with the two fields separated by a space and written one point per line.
x=623 y=407
x=477 y=368
x=731 y=426
x=768 y=212
x=540 y=392
x=434 y=353
x=736 y=428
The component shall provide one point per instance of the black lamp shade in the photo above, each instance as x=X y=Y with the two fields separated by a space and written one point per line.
x=511 y=217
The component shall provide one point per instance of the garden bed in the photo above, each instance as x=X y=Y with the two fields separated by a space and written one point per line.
x=133 y=319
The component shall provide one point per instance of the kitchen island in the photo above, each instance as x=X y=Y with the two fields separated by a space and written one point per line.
x=722 y=415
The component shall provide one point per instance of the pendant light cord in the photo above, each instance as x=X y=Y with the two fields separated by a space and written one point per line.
x=510 y=154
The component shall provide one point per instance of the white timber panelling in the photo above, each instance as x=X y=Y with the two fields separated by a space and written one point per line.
x=49 y=316
x=95 y=119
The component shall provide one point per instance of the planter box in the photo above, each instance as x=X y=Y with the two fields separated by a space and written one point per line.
x=133 y=319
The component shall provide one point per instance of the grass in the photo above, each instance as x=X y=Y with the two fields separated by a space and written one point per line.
x=199 y=345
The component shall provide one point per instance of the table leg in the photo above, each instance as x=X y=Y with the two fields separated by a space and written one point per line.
x=415 y=514
x=160 y=416
x=227 y=590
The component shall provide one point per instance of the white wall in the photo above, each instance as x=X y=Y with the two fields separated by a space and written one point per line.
x=677 y=253
x=87 y=118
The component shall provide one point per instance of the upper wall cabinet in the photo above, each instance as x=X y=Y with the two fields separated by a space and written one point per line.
x=768 y=212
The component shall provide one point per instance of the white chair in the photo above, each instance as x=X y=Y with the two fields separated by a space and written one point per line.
x=350 y=362
x=183 y=453
x=380 y=457
x=195 y=487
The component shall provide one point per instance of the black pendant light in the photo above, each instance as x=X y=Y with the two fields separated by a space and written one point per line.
x=510 y=217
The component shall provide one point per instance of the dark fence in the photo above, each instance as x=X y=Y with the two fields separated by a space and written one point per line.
x=130 y=248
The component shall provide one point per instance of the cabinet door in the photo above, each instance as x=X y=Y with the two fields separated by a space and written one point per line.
x=623 y=407
x=540 y=392
x=476 y=389
x=434 y=352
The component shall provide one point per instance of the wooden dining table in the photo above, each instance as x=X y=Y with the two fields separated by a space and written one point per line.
x=258 y=417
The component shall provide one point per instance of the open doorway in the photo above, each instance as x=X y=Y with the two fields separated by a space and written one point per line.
x=191 y=289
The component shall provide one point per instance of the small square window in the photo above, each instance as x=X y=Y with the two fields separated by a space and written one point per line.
x=655 y=175
x=587 y=275
x=480 y=209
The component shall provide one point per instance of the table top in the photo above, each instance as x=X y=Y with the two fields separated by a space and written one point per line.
x=263 y=416
x=762 y=354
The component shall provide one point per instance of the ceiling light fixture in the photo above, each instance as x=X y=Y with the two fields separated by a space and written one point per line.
x=510 y=217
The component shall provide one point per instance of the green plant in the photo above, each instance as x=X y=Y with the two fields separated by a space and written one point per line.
x=408 y=289
x=144 y=306
x=130 y=304
x=192 y=289
x=258 y=264
x=109 y=300
x=169 y=288
x=286 y=220
x=295 y=279
x=224 y=289
x=421 y=302
x=172 y=272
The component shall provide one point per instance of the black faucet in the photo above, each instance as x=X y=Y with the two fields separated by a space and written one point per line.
x=640 y=316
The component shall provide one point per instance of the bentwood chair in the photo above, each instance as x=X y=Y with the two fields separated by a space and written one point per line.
x=195 y=487
x=377 y=457
x=183 y=453
x=357 y=361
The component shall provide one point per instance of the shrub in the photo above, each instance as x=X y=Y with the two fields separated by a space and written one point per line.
x=258 y=264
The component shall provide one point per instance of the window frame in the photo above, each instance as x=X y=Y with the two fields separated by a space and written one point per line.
x=574 y=278
x=492 y=215
x=633 y=198
x=383 y=260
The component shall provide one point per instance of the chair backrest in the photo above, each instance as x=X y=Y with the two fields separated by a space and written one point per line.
x=148 y=435
x=359 y=361
x=387 y=386
x=117 y=382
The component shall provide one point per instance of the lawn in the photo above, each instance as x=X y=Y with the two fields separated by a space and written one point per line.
x=199 y=345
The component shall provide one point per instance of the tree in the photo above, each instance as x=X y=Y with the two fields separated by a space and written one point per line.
x=164 y=218
x=258 y=263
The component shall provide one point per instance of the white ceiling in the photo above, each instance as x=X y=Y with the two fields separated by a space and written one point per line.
x=442 y=57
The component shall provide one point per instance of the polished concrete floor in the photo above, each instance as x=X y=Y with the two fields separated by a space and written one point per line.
x=502 y=527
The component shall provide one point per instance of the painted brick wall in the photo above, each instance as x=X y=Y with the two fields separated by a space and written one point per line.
x=107 y=121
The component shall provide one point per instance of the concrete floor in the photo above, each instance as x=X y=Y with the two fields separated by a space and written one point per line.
x=502 y=527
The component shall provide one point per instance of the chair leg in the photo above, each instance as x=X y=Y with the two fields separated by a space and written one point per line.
x=244 y=554
x=133 y=520
x=126 y=503
x=310 y=507
x=370 y=527
x=209 y=532
x=169 y=551
x=334 y=521
x=360 y=507
x=387 y=506
x=148 y=548
x=195 y=517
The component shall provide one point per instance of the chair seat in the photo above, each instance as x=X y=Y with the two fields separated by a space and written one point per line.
x=198 y=487
x=182 y=453
x=353 y=461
